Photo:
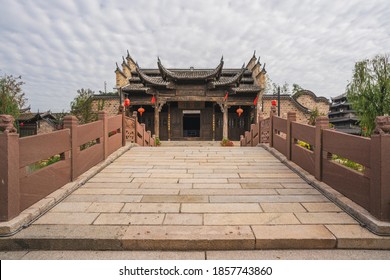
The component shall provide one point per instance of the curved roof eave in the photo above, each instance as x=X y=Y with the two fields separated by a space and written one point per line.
x=213 y=74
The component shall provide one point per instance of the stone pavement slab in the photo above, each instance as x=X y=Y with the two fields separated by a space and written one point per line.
x=293 y=237
x=188 y=238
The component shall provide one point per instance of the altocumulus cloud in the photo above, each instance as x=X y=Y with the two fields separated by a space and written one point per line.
x=61 y=46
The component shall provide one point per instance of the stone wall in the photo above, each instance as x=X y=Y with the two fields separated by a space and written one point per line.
x=302 y=104
x=45 y=127
x=108 y=104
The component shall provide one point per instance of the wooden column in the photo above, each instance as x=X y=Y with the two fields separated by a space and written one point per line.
x=156 y=121
x=169 y=121
x=380 y=177
x=213 y=122
x=9 y=176
x=225 y=122
x=322 y=122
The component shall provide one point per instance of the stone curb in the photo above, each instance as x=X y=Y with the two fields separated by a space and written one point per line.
x=356 y=211
x=28 y=216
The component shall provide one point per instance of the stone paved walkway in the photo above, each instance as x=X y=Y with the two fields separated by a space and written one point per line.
x=195 y=198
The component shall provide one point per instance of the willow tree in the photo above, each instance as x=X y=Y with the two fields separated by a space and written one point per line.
x=369 y=91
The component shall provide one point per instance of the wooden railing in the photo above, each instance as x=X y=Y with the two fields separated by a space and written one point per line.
x=136 y=133
x=259 y=133
x=79 y=148
x=370 y=188
x=313 y=147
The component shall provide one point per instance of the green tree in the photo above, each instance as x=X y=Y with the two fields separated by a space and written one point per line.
x=369 y=91
x=81 y=106
x=296 y=88
x=12 y=97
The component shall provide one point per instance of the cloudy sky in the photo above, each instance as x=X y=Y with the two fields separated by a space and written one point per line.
x=61 y=46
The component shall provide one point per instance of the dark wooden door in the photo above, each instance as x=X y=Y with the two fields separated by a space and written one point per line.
x=206 y=124
x=236 y=126
x=164 y=126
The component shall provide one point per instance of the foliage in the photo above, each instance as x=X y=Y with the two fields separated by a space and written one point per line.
x=304 y=145
x=81 y=106
x=348 y=163
x=314 y=114
x=296 y=88
x=12 y=97
x=157 y=141
x=226 y=143
x=272 y=88
x=369 y=91
x=43 y=163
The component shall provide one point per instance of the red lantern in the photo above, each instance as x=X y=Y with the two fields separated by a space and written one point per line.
x=126 y=103
x=274 y=103
x=153 y=100
x=239 y=111
x=141 y=111
x=21 y=124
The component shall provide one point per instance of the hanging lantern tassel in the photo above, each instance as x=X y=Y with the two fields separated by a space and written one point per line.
x=239 y=112
x=226 y=96
x=153 y=99
x=126 y=103
x=255 y=101
x=141 y=111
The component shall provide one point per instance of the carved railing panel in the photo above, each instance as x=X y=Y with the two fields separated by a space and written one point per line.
x=130 y=129
x=264 y=133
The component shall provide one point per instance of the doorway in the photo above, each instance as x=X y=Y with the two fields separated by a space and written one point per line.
x=191 y=123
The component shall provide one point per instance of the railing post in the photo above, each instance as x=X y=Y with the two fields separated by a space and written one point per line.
x=380 y=177
x=135 y=118
x=271 y=126
x=322 y=122
x=71 y=123
x=9 y=176
x=291 y=117
x=251 y=133
x=102 y=116
x=242 y=141
x=259 y=124
x=122 y=112
x=143 y=134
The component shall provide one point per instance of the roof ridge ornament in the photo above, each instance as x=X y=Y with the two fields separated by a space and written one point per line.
x=222 y=58
x=254 y=54
x=258 y=61
x=117 y=67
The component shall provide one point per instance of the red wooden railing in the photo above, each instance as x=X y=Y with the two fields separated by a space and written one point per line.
x=370 y=188
x=80 y=147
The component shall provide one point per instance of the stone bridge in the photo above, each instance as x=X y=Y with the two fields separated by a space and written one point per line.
x=180 y=197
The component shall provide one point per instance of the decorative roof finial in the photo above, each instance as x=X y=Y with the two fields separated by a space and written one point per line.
x=117 y=67
x=263 y=67
x=258 y=61
x=158 y=59
x=128 y=54
x=123 y=58
x=254 y=53
x=136 y=64
x=243 y=66
x=222 y=58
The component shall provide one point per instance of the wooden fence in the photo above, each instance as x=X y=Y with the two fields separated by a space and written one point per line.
x=79 y=147
x=313 y=148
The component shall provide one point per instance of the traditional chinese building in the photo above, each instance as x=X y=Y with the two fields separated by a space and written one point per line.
x=342 y=116
x=193 y=104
